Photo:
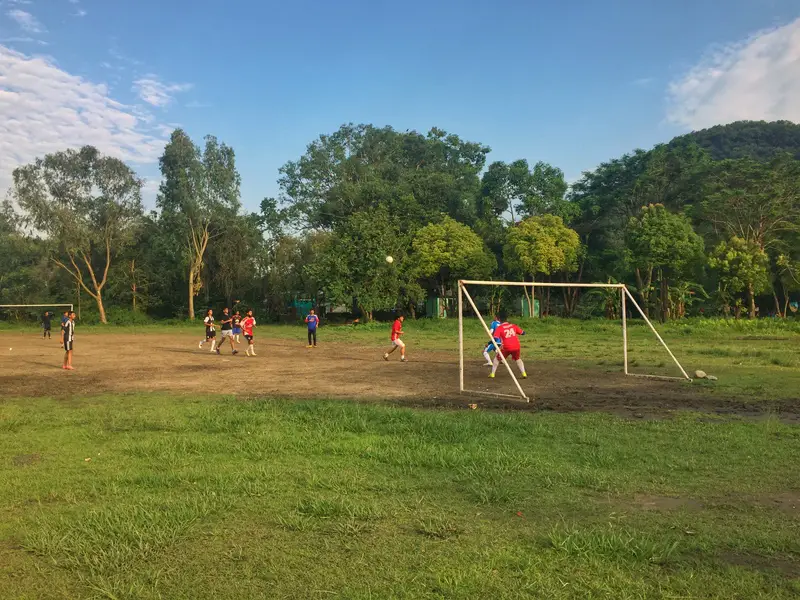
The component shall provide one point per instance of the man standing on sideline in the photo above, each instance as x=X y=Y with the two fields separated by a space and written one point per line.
x=227 y=330
x=313 y=321
x=46 y=326
x=397 y=331
x=67 y=340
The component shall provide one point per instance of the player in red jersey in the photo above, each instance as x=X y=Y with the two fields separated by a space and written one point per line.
x=397 y=331
x=247 y=325
x=509 y=334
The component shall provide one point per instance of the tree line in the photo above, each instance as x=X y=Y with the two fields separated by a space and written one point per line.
x=709 y=222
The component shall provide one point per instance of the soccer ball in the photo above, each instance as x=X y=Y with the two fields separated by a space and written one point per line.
x=389 y=259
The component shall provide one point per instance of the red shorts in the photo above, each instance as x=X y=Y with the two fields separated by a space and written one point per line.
x=513 y=354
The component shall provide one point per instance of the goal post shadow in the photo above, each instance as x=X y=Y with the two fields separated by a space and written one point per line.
x=625 y=295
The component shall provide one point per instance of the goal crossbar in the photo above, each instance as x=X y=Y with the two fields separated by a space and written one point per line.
x=625 y=295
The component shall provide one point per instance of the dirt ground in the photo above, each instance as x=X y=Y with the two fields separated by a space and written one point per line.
x=123 y=363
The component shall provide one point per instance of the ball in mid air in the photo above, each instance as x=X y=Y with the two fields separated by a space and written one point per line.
x=389 y=259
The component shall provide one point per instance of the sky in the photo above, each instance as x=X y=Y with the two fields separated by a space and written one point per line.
x=570 y=83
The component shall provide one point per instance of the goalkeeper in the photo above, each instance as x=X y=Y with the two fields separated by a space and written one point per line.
x=490 y=346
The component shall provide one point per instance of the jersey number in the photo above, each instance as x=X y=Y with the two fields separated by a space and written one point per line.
x=510 y=333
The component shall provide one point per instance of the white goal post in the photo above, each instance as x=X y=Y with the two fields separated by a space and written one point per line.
x=625 y=295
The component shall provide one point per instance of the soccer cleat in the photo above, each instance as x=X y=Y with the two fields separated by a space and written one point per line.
x=217 y=351
x=309 y=346
x=252 y=353
x=524 y=375
x=386 y=356
x=201 y=345
x=488 y=364
x=491 y=375
x=402 y=359
x=247 y=352
x=235 y=352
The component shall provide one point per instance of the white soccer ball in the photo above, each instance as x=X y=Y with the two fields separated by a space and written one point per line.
x=389 y=259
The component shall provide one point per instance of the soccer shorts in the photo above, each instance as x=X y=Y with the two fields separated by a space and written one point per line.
x=69 y=345
x=249 y=338
x=237 y=330
x=513 y=354
x=490 y=346
x=226 y=333
x=399 y=343
x=210 y=333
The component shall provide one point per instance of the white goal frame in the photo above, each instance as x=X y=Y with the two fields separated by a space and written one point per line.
x=625 y=295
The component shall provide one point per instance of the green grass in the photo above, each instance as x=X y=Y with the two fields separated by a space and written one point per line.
x=242 y=498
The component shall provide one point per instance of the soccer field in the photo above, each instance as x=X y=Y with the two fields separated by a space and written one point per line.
x=159 y=470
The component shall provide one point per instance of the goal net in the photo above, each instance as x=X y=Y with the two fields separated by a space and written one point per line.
x=466 y=301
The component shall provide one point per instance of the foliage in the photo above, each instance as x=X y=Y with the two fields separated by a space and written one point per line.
x=447 y=251
x=541 y=246
x=743 y=266
x=88 y=205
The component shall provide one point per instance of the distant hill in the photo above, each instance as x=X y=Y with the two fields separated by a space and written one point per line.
x=746 y=139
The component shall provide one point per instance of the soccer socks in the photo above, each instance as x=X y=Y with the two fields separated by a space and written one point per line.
x=213 y=345
x=495 y=364
x=521 y=367
x=487 y=357
x=250 y=350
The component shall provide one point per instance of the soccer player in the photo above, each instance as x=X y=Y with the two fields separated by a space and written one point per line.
x=227 y=330
x=247 y=327
x=237 y=327
x=211 y=333
x=312 y=320
x=397 y=331
x=509 y=333
x=490 y=346
x=46 y=317
x=68 y=340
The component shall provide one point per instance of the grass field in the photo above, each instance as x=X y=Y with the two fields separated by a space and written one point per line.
x=157 y=470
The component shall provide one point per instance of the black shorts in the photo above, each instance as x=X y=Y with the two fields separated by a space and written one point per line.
x=47 y=327
x=249 y=338
x=68 y=345
x=210 y=333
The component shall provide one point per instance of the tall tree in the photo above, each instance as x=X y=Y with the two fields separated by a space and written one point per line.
x=198 y=197
x=542 y=246
x=663 y=244
x=447 y=251
x=351 y=264
x=88 y=205
x=743 y=266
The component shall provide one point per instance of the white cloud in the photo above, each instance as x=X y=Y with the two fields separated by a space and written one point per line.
x=26 y=21
x=157 y=93
x=80 y=13
x=44 y=109
x=643 y=81
x=756 y=79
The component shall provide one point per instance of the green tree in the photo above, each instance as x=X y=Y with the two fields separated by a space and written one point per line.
x=444 y=252
x=351 y=264
x=198 y=199
x=742 y=266
x=89 y=207
x=663 y=244
x=542 y=245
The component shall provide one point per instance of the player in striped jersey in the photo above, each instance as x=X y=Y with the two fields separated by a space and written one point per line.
x=68 y=340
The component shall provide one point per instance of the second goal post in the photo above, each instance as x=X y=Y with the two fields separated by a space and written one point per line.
x=624 y=297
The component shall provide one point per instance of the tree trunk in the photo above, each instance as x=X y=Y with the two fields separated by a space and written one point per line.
x=133 y=284
x=100 y=307
x=751 y=299
x=777 y=304
x=644 y=289
x=191 y=293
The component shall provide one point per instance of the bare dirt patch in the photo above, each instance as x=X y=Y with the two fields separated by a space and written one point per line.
x=23 y=460
x=124 y=363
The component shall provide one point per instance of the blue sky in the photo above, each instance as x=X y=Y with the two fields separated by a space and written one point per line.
x=571 y=83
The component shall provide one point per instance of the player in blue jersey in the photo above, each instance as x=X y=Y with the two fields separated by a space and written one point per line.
x=490 y=346
x=312 y=320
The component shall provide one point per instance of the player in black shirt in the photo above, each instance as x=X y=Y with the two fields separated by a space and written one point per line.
x=227 y=329
x=46 y=317
x=211 y=333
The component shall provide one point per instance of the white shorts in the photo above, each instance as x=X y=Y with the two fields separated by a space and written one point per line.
x=399 y=343
x=226 y=333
